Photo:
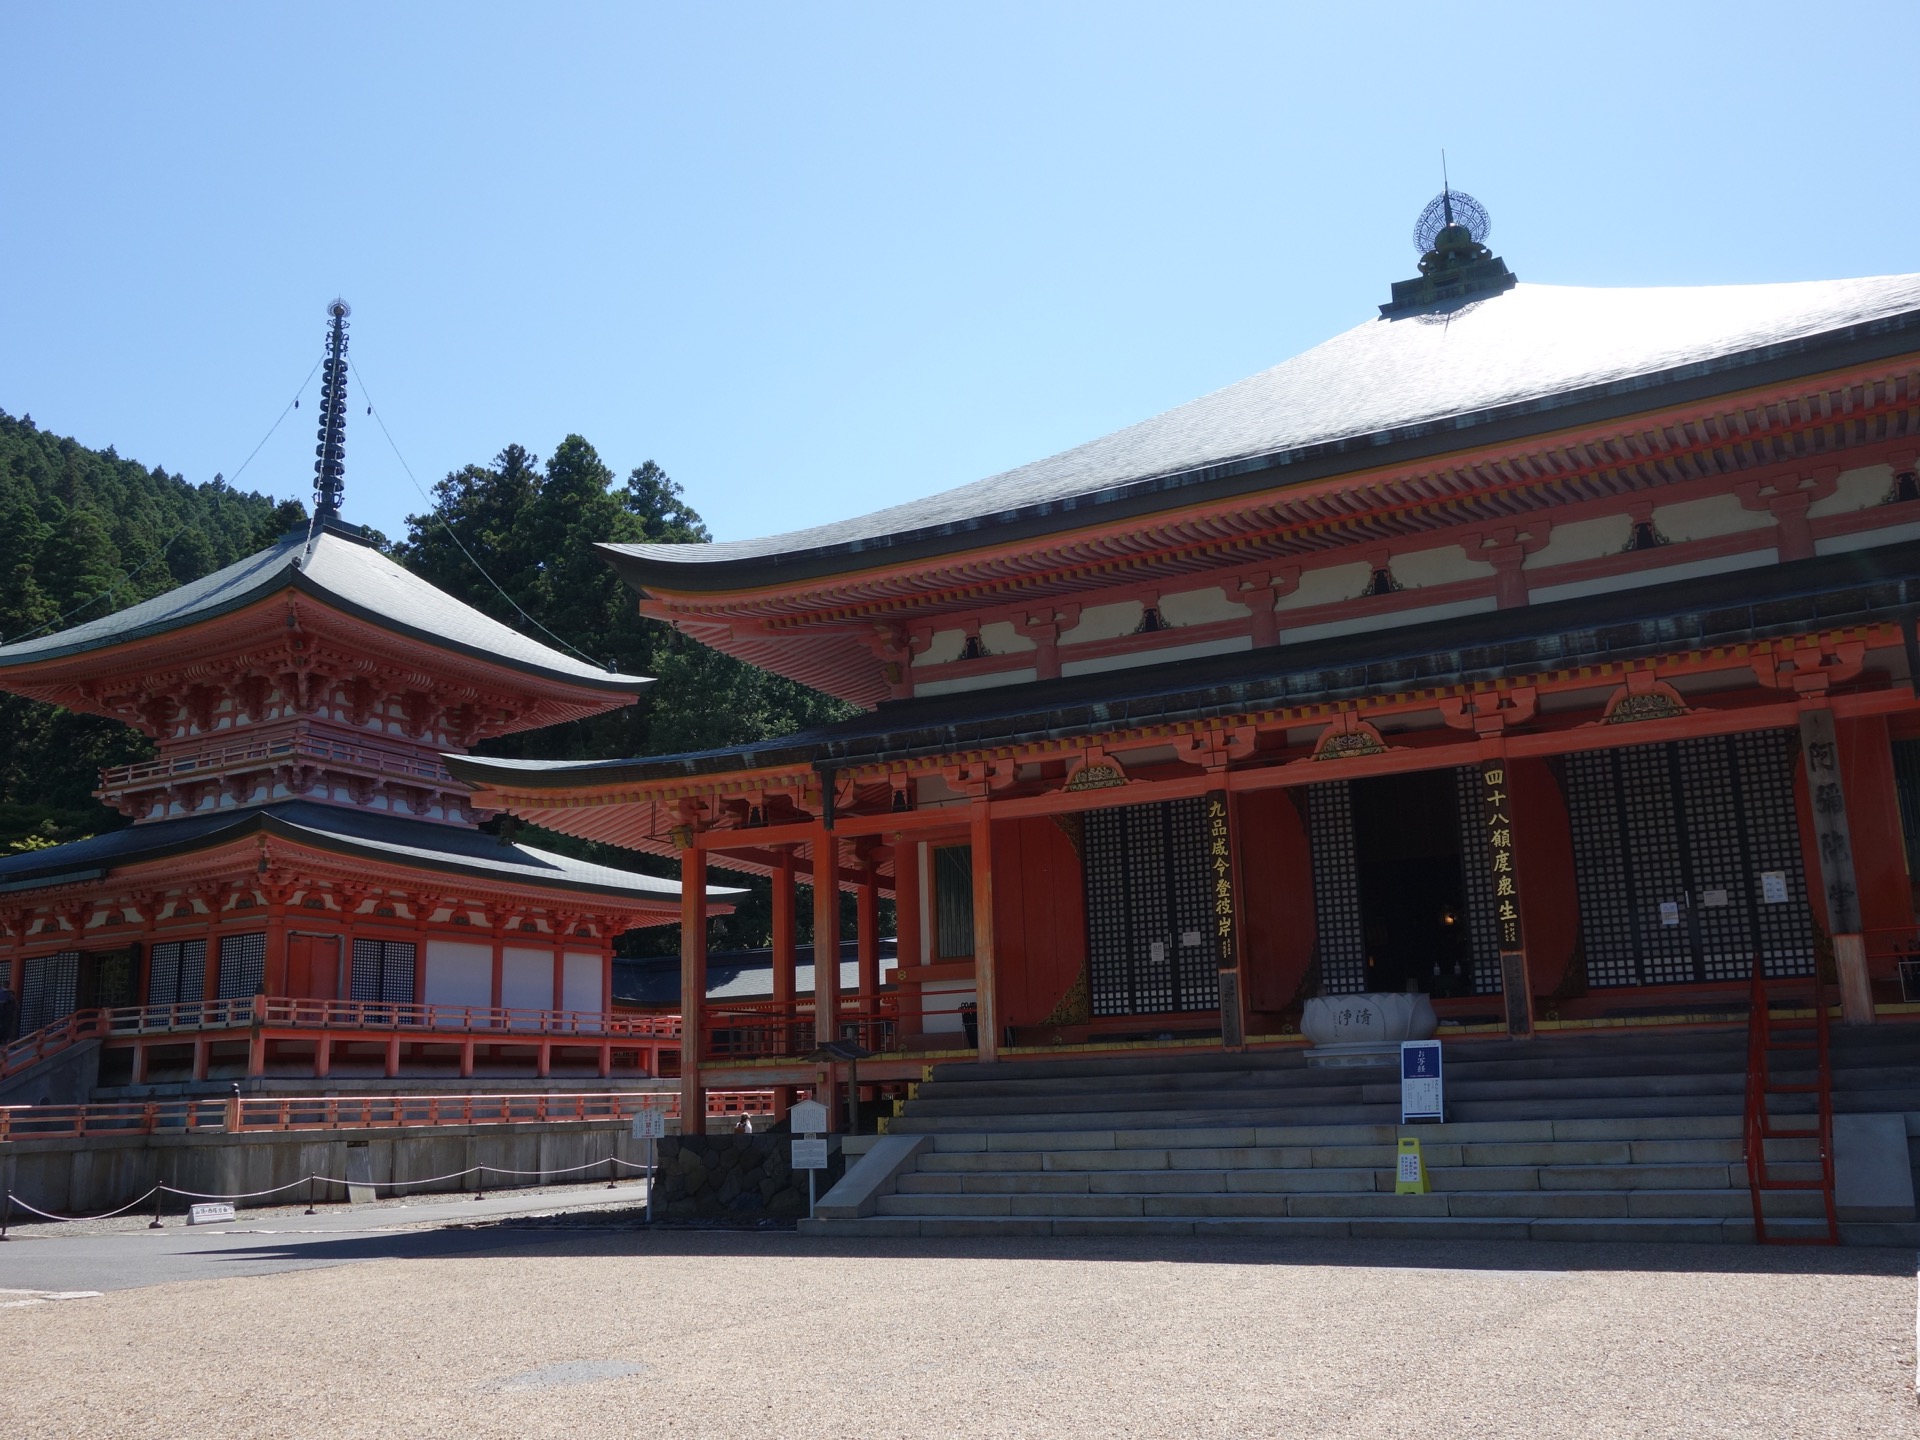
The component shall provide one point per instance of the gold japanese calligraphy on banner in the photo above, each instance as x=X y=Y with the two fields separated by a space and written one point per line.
x=1506 y=881
x=1220 y=874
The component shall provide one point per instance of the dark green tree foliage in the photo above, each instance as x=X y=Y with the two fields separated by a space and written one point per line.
x=84 y=533
x=533 y=527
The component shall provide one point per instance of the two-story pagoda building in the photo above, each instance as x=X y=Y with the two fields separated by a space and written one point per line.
x=1547 y=650
x=304 y=894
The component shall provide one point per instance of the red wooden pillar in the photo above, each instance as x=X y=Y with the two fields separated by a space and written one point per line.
x=826 y=939
x=273 y=978
x=988 y=1013
x=906 y=910
x=785 y=950
x=693 y=988
x=867 y=931
x=499 y=959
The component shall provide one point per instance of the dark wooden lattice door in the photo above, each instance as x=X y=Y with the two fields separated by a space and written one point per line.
x=1687 y=860
x=1149 y=909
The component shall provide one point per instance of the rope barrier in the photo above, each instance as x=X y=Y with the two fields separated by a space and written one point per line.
x=310 y=1179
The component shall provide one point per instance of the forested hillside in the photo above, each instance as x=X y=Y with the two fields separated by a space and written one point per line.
x=84 y=533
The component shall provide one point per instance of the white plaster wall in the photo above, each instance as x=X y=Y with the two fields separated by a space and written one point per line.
x=1449 y=563
x=1658 y=575
x=1581 y=540
x=526 y=979
x=1704 y=519
x=1157 y=655
x=1105 y=622
x=940 y=1004
x=1328 y=586
x=1201 y=607
x=459 y=972
x=1390 y=620
x=1858 y=490
x=580 y=982
x=977 y=682
x=944 y=646
x=1000 y=638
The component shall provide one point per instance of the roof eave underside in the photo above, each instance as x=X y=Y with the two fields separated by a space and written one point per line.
x=1868 y=342
x=280 y=580
x=50 y=866
x=1228 y=684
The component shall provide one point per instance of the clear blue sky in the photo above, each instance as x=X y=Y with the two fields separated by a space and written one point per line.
x=817 y=259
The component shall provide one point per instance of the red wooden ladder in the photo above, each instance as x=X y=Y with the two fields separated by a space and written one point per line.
x=1767 y=1036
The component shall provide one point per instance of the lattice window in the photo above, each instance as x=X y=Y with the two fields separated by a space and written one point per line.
x=383 y=971
x=1670 y=844
x=1196 y=963
x=953 y=901
x=1476 y=869
x=1336 y=889
x=49 y=990
x=243 y=966
x=1765 y=759
x=1600 y=871
x=1148 y=910
x=177 y=972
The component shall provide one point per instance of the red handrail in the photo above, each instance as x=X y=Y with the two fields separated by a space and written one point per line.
x=262 y=1113
x=288 y=1012
x=1758 y=1122
x=775 y=1029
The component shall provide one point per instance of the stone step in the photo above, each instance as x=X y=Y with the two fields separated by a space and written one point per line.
x=1483 y=1205
x=1410 y=1227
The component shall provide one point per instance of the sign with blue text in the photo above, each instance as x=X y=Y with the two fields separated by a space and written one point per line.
x=1420 y=1092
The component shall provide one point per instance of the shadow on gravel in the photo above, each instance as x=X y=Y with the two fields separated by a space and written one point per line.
x=618 y=1234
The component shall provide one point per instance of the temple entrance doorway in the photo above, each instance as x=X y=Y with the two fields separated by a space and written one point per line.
x=1413 y=913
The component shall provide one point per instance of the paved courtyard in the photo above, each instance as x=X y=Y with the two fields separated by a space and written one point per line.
x=592 y=1332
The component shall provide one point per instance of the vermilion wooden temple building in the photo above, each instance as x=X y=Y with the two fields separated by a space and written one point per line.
x=304 y=894
x=1548 y=650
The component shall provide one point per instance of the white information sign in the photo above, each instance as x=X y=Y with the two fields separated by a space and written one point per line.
x=650 y=1125
x=1773 y=886
x=209 y=1214
x=1409 y=1172
x=1669 y=912
x=809 y=1154
x=1420 y=1083
x=808 y=1117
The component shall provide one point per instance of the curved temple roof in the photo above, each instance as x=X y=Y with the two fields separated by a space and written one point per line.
x=1535 y=348
x=345 y=572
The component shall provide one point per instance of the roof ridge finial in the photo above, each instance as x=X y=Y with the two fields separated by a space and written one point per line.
x=330 y=469
x=1446 y=186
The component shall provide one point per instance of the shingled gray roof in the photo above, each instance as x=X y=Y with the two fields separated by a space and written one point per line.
x=418 y=843
x=1533 y=349
x=341 y=570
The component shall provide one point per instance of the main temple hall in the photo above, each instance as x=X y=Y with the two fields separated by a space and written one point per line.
x=1546 y=654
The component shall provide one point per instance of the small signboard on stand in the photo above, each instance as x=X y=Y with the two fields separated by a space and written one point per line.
x=809 y=1118
x=1421 y=1096
x=650 y=1125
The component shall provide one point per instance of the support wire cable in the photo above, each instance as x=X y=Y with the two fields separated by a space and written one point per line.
x=127 y=578
x=434 y=510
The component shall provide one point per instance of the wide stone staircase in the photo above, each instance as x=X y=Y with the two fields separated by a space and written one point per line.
x=1597 y=1136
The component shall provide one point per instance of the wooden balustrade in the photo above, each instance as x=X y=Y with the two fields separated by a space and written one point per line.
x=268 y=1113
x=782 y=1029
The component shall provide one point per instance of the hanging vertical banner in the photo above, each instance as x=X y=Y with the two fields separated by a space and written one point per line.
x=1220 y=871
x=1225 y=941
x=1498 y=812
x=1833 y=839
x=1506 y=884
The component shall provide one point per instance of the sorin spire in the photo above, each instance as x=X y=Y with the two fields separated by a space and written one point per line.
x=330 y=469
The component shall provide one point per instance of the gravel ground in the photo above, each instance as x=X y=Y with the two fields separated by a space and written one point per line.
x=746 y=1335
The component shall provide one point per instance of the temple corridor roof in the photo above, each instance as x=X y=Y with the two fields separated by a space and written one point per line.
x=339 y=569
x=365 y=833
x=1533 y=351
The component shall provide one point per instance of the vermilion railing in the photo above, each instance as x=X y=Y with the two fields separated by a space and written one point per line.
x=1896 y=949
x=774 y=1029
x=254 y=1114
x=292 y=1013
x=211 y=759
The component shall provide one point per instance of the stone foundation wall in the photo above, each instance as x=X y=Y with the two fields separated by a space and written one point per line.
x=706 y=1177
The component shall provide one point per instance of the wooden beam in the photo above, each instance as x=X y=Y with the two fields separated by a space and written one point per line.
x=693 y=988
